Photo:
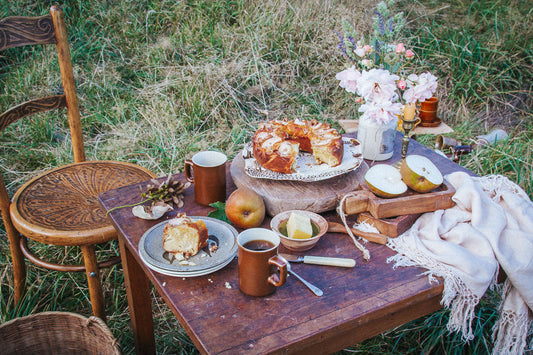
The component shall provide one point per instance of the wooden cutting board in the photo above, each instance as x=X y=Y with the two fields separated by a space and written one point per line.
x=279 y=196
x=410 y=203
x=392 y=226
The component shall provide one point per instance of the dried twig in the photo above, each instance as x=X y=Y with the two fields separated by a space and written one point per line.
x=167 y=192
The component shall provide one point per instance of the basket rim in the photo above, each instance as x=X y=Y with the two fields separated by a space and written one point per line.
x=103 y=332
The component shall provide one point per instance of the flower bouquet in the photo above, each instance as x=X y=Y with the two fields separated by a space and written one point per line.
x=380 y=78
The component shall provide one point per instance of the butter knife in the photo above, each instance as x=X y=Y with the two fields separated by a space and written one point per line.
x=319 y=260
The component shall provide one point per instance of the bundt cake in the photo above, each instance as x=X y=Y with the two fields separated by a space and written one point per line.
x=276 y=144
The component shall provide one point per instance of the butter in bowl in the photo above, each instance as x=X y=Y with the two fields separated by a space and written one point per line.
x=299 y=230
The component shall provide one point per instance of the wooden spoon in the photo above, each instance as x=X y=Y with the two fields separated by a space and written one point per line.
x=371 y=237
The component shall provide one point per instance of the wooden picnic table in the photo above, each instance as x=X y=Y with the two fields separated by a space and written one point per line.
x=358 y=303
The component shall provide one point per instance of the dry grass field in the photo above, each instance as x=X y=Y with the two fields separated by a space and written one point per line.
x=161 y=79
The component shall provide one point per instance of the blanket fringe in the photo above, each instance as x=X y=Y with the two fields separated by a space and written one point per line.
x=456 y=296
x=510 y=333
x=513 y=327
x=494 y=185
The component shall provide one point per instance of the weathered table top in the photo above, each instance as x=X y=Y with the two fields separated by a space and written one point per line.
x=358 y=303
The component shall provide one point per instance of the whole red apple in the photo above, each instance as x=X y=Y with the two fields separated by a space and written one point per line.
x=245 y=208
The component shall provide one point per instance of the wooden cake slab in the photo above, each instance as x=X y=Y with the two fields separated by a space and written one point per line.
x=279 y=196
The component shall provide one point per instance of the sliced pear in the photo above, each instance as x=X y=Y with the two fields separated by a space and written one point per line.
x=385 y=181
x=420 y=174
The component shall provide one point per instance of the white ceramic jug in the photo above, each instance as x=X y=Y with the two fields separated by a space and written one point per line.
x=377 y=139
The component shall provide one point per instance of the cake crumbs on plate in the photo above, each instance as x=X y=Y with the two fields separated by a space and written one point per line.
x=187 y=263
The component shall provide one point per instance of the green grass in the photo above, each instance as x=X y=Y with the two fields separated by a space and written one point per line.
x=160 y=80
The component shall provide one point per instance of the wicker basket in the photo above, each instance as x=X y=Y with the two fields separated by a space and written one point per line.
x=57 y=333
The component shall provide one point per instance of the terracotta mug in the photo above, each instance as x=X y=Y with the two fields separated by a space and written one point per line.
x=259 y=261
x=428 y=111
x=430 y=104
x=207 y=171
x=427 y=116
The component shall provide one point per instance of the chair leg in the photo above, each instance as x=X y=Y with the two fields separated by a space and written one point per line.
x=19 y=265
x=17 y=258
x=93 y=279
x=14 y=237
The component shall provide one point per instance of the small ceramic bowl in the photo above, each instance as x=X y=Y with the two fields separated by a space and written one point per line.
x=278 y=225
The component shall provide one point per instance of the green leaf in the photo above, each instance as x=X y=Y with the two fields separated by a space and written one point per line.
x=219 y=212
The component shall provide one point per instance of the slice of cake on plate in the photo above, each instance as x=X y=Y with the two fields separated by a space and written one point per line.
x=184 y=237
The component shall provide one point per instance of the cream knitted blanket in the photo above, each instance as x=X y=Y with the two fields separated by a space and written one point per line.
x=490 y=227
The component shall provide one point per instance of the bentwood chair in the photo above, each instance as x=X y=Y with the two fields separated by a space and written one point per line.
x=59 y=207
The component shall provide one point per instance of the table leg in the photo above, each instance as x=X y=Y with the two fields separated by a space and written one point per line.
x=139 y=302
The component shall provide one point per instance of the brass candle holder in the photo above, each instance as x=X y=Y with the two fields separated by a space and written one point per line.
x=409 y=120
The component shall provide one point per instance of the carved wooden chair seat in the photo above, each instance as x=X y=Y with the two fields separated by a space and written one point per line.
x=59 y=207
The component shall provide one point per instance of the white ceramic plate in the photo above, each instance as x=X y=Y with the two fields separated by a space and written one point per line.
x=307 y=170
x=187 y=273
x=151 y=249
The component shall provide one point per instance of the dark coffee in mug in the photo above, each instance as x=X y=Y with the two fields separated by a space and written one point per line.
x=261 y=269
x=258 y=245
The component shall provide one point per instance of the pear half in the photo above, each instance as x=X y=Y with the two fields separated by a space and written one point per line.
x=420 y=174
x=385 y=181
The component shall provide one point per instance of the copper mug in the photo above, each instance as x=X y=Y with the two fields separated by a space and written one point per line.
x=259 y=262
x=428 y=111
x=427 y=116
x=207 y=171
x=430 y=104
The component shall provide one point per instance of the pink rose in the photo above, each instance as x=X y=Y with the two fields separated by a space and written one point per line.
x=402 y=84
x=367 y=48
x=409 y=53
x=400 y=48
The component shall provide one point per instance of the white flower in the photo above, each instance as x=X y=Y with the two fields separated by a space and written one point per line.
x=367 y=63
x=420 y=87
x=380 y=111
x=360 y=51
x=377 y=85
x=348 y=78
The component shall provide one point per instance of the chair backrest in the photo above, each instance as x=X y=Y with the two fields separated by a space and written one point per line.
x=17 y=31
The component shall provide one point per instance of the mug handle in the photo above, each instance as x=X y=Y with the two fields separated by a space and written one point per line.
x=281 y=263
x=188 y=171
